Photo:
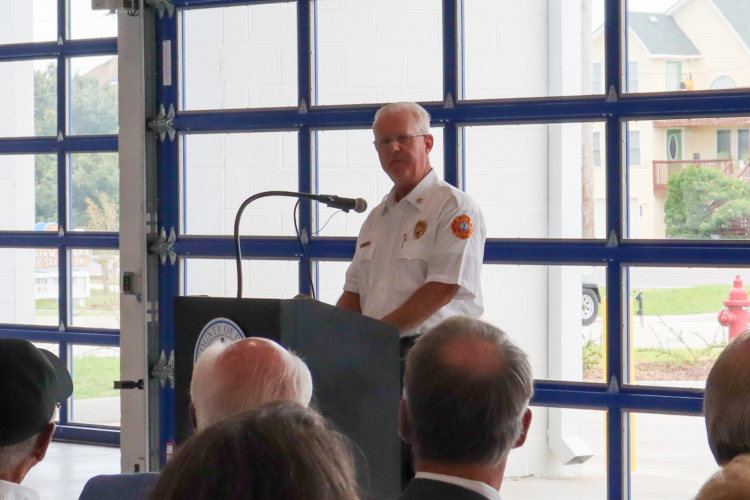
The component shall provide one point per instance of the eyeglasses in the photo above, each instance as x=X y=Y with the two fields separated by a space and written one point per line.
x=402 y=140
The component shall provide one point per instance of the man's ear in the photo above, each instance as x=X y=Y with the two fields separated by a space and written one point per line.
x=43 y=441
x=193 y=416
x=404 y=426
x=525 y=432
x=429 y=141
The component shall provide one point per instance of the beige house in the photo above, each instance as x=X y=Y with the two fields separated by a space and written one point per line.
x=694 y=45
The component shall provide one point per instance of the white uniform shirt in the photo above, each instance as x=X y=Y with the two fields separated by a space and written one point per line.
x=435 y=233
x=13 y=491
x=483 y=489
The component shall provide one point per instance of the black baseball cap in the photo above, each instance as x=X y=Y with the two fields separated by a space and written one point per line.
x=32 y=382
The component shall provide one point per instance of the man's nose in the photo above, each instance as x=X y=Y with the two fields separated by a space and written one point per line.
x=394 y=146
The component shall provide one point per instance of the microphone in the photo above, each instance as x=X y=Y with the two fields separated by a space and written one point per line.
x=359 y=205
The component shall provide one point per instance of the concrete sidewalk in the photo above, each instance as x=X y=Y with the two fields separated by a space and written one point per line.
x=672 y=461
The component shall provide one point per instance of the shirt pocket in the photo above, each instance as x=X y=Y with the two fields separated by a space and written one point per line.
x=412 y=263
x=364 y=266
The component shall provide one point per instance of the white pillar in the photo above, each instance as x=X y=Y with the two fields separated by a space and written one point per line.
x=565 y=194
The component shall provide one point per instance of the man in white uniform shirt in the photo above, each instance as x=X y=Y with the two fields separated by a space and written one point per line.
x=419 y=253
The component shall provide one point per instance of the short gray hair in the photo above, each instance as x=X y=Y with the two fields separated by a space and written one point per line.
x=12 y=456
x=727 y=402
x=460 y=415
x=217 y=394
x=418 y=112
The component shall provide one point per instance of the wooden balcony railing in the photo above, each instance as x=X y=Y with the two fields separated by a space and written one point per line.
x=664 y=169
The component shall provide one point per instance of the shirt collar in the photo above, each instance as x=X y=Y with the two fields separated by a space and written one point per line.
x=418 y=196
x=17 y=491
x=482 y=488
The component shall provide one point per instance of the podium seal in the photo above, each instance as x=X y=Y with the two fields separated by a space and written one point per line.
x=217 y=331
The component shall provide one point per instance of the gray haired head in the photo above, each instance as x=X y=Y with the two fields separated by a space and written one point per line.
x=421 y=116
x=466 y=387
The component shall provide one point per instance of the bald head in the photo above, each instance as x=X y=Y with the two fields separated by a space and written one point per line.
x=244 y=375
x=730 y=483
x=727 y=403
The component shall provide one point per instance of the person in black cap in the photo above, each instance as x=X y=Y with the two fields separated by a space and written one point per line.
x=33 y=382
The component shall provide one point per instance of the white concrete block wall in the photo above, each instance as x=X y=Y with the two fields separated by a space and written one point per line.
x=507 y=174
x=507 y=47
x=379 y=51
x=238 y=57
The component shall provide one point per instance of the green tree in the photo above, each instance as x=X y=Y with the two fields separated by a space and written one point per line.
x=93 y=110
x=701 y=201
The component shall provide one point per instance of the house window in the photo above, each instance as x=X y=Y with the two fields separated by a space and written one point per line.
x=597 y=150
x=723 y=144
x=597 y=89
x=634 y=148
x=674 y=75
x=743 y=144
x=633 y=76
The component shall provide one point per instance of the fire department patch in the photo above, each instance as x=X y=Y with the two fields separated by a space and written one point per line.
x=462 y=227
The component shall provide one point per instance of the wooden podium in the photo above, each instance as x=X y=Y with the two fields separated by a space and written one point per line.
x=354 y=361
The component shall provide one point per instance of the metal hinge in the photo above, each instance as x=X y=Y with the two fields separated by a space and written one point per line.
x=164 y=247
x=162 y=125
x=161 y=6
x=164 y=370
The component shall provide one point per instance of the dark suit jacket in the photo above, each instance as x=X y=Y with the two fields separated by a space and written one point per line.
x=120 y=487
x=427 y=489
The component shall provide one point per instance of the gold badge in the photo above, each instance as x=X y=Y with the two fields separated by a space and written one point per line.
x=420 y=229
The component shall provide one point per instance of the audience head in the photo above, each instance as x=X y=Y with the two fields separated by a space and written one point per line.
x=731 y=483
x=33 y=382
x=727 y=403
x=247 y=374
x=278 y=451
x=466 y=391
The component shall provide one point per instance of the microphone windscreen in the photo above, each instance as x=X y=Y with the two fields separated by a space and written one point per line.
x=360 y=205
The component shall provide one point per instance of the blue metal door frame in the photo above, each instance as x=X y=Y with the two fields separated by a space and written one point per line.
x=617 y=397
x=63 y=146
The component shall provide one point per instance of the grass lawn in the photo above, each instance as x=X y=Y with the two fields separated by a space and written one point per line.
x=93 y=376
x=680 y=301
x=97 y=302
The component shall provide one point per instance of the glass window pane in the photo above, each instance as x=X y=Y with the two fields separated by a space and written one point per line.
x=687 y=46
x=28 y=98
x=95 y=288
x=221 y=171
x=532 y=49
x=28 y=192
x=95 y=191
x=94 y=368
x=28 y=21
x=530 y=181
x=93 y=95
x=375 y=51
x=349 y=167
x=563 y=337
x=28 y=286
x=537 y=468
x=240 y=57
x=670 y=457
x=261 y=279
x=676 y=332
x=88 y=23
x=687 y=184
